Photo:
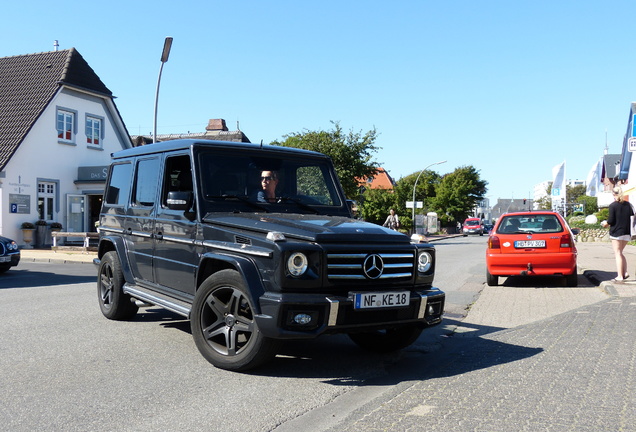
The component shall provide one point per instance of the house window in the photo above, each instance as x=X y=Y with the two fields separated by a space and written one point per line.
x=46 y=200
x=93 y=130
x=65 y=120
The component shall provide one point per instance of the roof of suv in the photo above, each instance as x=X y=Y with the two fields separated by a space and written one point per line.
x=172 y=145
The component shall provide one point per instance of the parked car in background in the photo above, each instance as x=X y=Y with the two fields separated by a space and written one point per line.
x=531 y=244
x=473 y=226
x=9 y=254
x=488 y=227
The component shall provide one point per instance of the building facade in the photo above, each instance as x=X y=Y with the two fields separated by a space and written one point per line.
x=58 y=126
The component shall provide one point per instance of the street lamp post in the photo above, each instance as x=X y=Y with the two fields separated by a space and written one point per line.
x=415 y=185
x=164 y=58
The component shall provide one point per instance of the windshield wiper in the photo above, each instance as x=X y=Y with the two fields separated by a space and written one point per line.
x=242 y=199
x=300 y=204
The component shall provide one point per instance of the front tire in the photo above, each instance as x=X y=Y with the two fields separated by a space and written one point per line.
x=224 y=327
x=113 y=302
x=383 y=341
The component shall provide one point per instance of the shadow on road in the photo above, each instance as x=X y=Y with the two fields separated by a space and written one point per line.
x=338 y=361
x=30 y=279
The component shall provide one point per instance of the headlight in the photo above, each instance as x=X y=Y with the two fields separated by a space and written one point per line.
x=297 y=264
x=13 y=246
x=424 y=262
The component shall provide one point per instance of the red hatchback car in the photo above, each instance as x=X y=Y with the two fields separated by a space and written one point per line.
x=531 y=244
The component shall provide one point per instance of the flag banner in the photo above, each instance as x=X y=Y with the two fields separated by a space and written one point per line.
x=558 y=179
x=593 y=180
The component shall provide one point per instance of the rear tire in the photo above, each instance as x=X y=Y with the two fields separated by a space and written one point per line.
x=224 y=327
x=491 y=280
x=383 y=341
x=113 y=302
x=572 y=280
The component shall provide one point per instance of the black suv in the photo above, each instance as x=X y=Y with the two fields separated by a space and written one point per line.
x=255 y=245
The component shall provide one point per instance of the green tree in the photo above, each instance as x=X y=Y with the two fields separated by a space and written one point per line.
x=375 y=204
x=352 y=153
x=425 y=192
x=457 y=194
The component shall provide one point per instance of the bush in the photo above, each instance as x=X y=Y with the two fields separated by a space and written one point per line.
x=27 y=225
x=41 y=222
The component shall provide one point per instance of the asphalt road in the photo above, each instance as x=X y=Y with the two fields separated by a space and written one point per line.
x=65 y=367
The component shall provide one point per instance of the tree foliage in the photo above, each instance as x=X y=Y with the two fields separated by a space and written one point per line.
x=376 y=203
x=352 y=153
x=458 y=193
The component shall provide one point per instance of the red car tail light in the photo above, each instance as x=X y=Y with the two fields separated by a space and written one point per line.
x=494 y=243
x=566 y=241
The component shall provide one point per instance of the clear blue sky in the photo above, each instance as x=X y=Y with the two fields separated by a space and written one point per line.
x=510 y=87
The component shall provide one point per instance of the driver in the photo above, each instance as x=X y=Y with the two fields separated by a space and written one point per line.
x=269 y=182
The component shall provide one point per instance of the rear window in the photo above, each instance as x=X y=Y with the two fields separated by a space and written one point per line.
x=526 y=224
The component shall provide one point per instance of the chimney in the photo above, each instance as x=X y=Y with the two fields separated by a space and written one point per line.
x=216 y=125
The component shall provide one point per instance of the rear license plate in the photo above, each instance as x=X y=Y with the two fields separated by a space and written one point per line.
x=376 y=300
x=530 y=244
x=5 y=259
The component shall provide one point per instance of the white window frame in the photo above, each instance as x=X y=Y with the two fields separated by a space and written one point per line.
x=48 y=195
x=67 y=124
x=94 y=129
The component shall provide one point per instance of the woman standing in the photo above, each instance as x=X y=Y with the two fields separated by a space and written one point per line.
x=619 y=221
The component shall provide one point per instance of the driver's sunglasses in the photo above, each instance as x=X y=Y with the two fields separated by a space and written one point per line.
x=267 y=178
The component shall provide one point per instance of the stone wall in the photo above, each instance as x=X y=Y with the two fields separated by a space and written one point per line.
x=593 y=235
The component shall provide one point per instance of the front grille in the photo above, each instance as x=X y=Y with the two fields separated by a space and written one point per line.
x=370 y=266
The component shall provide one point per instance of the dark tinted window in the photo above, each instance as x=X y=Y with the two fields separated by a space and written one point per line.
x=119 y=186
x=146 y=182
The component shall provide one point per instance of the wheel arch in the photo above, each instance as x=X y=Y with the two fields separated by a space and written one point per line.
x=116 y=244
x=212 y=263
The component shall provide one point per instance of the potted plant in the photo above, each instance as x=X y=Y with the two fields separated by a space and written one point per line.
x=40 y=235
x=27 y=234
x=56 y=226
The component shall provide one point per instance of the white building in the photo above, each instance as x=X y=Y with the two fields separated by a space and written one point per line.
x=58 y=126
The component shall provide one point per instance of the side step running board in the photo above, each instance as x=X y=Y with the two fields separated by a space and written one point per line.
x=174 y=305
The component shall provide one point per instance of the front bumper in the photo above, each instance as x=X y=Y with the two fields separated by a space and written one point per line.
x=336 y=314
x=13 y=259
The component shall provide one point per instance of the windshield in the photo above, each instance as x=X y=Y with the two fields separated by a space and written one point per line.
x=244 y=182
x=472 y=223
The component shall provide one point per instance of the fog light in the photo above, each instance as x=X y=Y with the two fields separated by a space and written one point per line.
x=431 y=310
x=302 y=319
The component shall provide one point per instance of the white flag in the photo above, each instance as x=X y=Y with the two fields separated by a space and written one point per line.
x=594 y=179
x=558 y=180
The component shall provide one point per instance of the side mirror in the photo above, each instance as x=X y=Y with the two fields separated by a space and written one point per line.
x=179 y=200
x=576 y=231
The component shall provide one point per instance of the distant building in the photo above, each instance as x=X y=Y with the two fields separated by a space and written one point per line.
x=382 y=180
x=510 y=205
x=216 y=129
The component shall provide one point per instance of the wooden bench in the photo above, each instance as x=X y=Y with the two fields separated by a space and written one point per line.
x=86 y=235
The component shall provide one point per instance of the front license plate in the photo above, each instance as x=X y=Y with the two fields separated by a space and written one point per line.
x=530 y=244
x=5 y=259
x=381 y=299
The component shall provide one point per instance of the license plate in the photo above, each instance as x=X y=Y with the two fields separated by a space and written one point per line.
x=530 y=244
x=5 y=259
x=376 y=300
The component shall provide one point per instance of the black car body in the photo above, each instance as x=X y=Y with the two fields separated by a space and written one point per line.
x=9 y=254
x=182 y=227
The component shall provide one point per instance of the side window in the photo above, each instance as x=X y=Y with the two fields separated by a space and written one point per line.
x=146 y=182
x=119 y=185
x=178 y=176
